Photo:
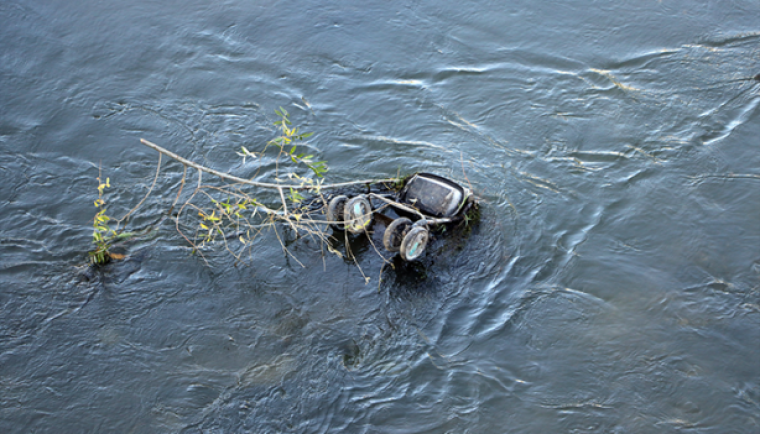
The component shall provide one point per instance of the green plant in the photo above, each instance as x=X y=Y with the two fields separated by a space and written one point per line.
x=102 y=234
x=472 y=216
x=290 y=136
x=241 y=216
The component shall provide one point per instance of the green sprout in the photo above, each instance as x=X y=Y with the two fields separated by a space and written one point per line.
x=102 y=234
x=290 y=136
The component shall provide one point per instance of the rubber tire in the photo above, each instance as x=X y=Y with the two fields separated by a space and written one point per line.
x=335 y=212
x=394 y=234
x=356 y=220
x=414 y=243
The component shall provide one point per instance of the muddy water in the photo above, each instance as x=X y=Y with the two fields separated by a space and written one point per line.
x=611 y=284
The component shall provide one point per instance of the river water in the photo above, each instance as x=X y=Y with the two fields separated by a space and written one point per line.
x=612 y=283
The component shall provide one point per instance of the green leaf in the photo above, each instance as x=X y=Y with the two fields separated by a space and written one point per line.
x=306 y=135
x=284 y=111
x=292 y=150
x=295 y=196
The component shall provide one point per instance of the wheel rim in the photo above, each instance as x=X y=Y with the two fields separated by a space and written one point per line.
x=358 y=215
x=414 y=243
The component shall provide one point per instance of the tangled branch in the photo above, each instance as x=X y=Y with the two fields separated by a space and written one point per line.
x=233 y=216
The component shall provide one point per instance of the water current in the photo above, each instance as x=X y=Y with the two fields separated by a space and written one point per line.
x=611 y=285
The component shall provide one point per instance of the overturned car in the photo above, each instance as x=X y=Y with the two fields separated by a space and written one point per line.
x=425 y=201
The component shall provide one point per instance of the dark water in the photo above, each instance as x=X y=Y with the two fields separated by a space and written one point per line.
x=612 y=286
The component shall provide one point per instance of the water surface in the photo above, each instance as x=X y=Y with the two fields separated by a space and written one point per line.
x=610 y=286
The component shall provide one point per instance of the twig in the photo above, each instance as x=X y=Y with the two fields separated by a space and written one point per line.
x=179 y=213
x=284 y=202
x=181 y=186
x=285 y=210
x=158 y=170
x=285 y=249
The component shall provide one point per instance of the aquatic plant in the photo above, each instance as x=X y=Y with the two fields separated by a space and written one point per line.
x=102 y=234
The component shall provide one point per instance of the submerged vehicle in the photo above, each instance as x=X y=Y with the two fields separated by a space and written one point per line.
x=426 y=200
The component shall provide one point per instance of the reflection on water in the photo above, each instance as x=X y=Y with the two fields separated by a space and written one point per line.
x=611 y=284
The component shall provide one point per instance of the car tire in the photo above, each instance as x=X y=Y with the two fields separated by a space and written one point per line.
x=394 y=234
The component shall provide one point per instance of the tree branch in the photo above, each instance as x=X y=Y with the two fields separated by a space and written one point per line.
x=255 y=183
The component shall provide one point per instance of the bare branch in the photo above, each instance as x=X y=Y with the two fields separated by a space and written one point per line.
x=255 y=183
x=158 y=170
